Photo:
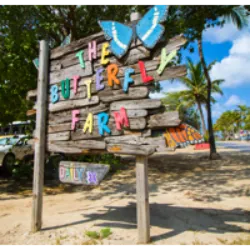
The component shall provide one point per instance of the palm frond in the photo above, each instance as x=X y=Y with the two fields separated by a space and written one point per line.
x=238 y=16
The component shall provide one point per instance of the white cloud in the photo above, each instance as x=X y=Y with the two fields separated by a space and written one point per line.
x=230 y=103
x=233 y=100
x=216 y=96
x=168 y=87
x=217 y=110
x=228 y=32
x=235 y=68
x=219 y=35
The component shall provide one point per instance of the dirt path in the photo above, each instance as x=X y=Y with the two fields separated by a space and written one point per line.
x=191 y=202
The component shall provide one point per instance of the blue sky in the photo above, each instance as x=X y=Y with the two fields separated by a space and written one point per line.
x=231 y=49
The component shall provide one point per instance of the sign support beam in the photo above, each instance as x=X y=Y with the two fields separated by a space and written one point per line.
x=143 y=216
x=40 y=137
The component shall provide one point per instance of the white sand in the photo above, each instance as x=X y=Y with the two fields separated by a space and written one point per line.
x=192 y=201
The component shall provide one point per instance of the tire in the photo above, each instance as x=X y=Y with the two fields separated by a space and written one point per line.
x=28 y=159
x=8 y=163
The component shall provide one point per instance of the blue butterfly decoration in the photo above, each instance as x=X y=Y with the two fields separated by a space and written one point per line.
x=148 y=30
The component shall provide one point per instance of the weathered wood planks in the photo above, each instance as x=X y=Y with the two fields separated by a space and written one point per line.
x=167 y=119
x=58 y=76
x=130 y=149
x=136 y=104
x=133 y=93
x=73 y=104
x=75 y=147
x=144 y=114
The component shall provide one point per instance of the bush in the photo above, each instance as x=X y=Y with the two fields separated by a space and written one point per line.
x=23 y=172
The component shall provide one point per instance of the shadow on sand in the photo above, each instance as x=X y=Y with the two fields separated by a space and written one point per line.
x=166 y=216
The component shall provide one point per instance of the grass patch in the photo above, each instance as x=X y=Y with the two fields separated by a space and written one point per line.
x=238 y=241
x=90 y=242
x=197 y=242
x=94 y=235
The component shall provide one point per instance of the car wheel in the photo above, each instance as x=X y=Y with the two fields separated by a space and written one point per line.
x=8 y=163
x=28 y=159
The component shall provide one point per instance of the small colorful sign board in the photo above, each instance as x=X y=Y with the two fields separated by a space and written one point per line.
x=82 y=173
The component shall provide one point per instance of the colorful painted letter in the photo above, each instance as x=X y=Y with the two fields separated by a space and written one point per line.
x=65 y=88
x=91 y=177
x=103 y=119
x=145 y=78
x=88 y=85
x=165 y=59
x=75 y=119
x=99 y=78
x=80 y=55
x=105 y=52
x=121 y=118
x=92 y=50
x=127 y=79
x=112 y=72
x=75 y=78
x=54 y=96
x=88 y=124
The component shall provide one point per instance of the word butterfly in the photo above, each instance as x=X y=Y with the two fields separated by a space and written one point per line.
x=148 y=30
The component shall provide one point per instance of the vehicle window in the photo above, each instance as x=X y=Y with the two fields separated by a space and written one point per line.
x=19 y=143
x=11 y=141
x=3 y=141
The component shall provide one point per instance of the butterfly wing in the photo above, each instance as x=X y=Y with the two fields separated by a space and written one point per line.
x=148 y=29
x=120 y=36
x=194 y=136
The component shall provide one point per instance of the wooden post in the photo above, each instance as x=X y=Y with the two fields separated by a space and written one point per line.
x=40 y=137
x=143 y=217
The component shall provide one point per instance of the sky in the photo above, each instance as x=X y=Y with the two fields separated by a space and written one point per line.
x=231 y=50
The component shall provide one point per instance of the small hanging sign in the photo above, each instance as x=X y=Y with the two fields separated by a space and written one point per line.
x=82 y=172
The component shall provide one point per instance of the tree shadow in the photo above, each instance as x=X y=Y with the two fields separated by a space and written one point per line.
x=205 y=180
x=175 y=219
x=199 y=178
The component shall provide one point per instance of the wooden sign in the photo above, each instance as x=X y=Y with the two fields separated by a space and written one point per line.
x=95 y=93
x=82 y=172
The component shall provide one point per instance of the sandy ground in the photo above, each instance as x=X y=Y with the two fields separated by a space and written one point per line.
x=192 y=201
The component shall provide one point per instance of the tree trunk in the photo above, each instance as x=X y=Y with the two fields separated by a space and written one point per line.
x=213 y=153
x=202 y=117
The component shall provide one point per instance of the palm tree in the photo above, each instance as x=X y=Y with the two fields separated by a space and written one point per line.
x=238 y=16
x=196 y=93
x=172 y=101
x=228 y=123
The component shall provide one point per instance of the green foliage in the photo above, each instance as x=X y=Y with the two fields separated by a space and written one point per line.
x=21 y=28
x=189 y=115
x=92 y=234
x=104 y=233
x=192 y=20
x=23 y=172
x=232 y=121
x=194 y=95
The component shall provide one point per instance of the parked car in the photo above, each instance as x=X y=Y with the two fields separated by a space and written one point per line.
x=12 y=149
